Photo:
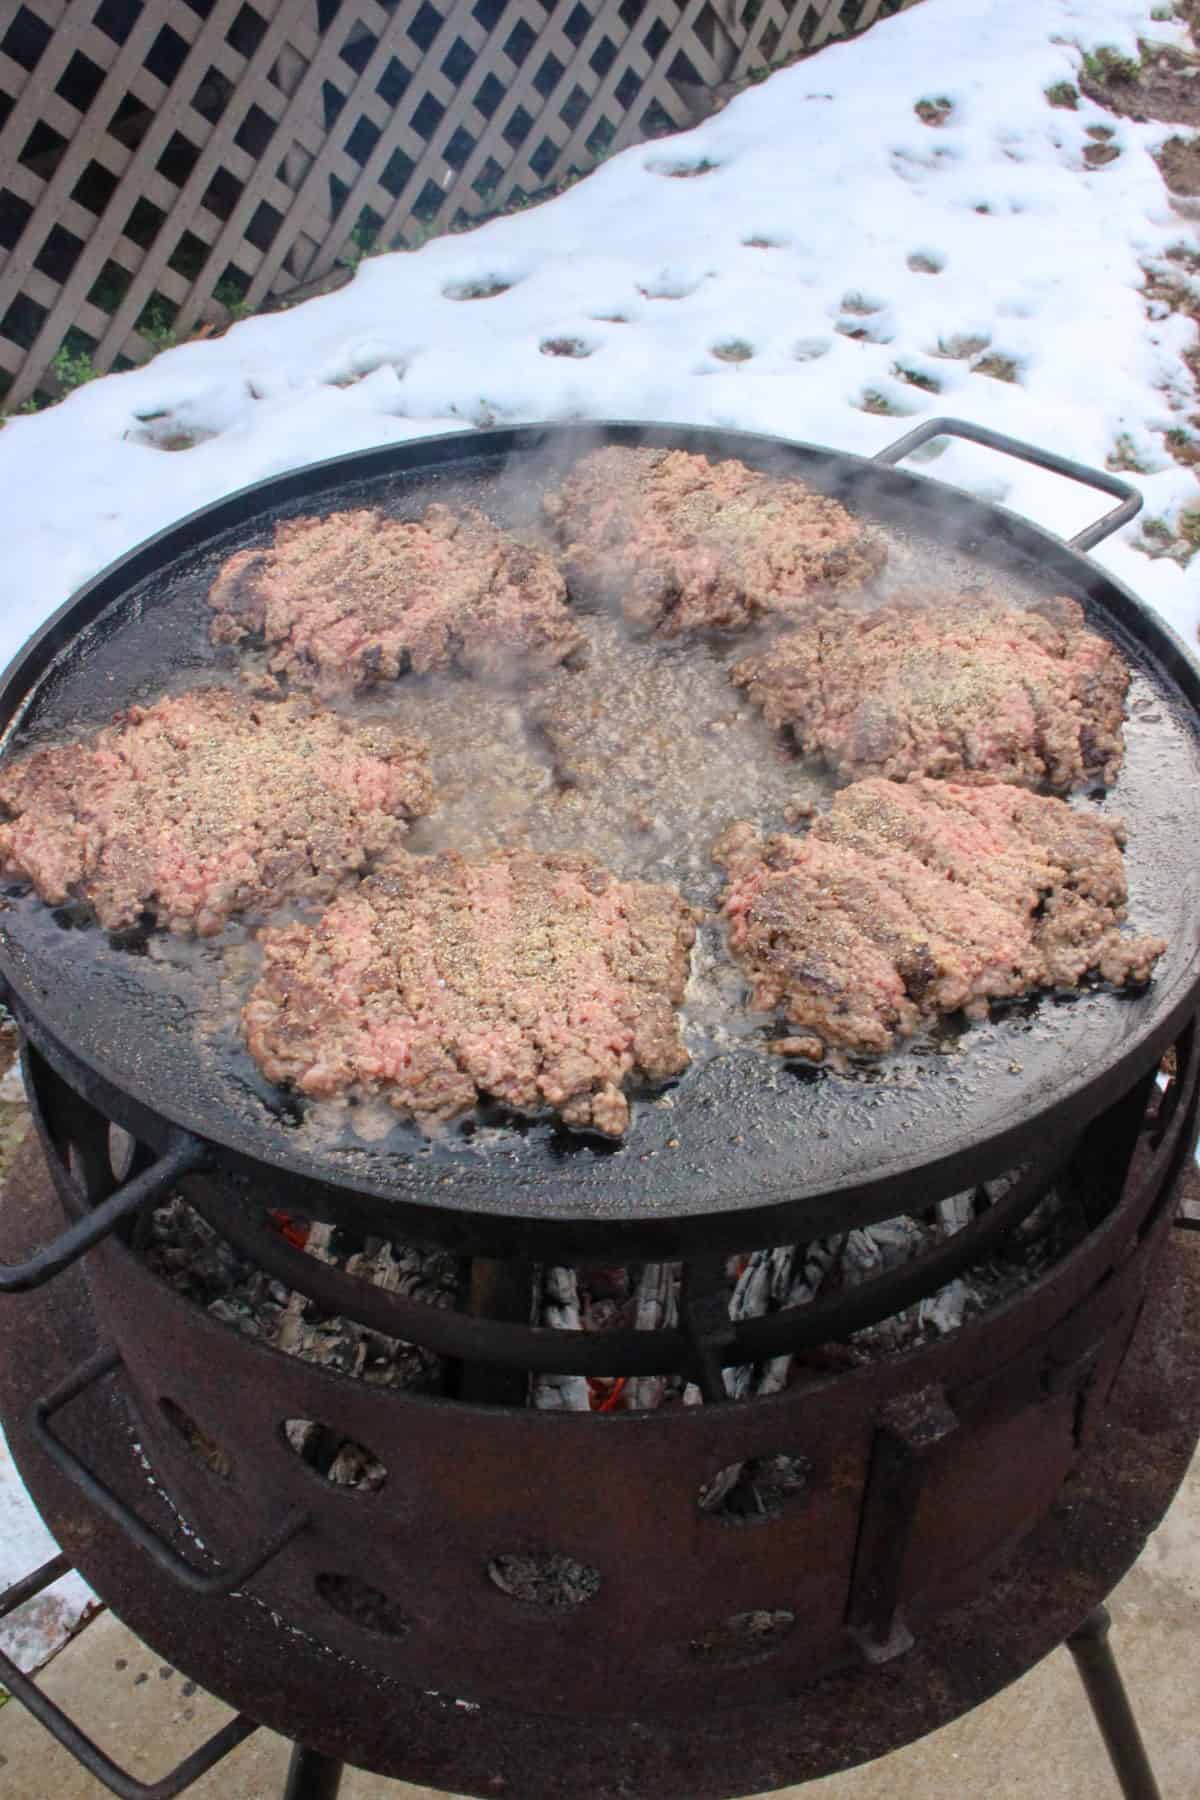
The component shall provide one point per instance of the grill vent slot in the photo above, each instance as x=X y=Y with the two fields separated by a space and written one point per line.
x=205 y=1448
x=340 y=1460
x=553 y=1581
x=362 y=1604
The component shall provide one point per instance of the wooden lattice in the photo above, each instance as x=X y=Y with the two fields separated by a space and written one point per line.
x=163 y=161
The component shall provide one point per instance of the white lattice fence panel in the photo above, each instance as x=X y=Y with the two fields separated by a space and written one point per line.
x=162 y=159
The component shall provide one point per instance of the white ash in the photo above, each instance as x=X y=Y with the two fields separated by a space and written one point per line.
x=789 y=1275
x=205 y=1269
x=656 y=1309
x=560 y=1309
x=602 y=1299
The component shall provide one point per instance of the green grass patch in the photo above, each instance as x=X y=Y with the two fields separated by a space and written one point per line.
x=1123 y=458
x=1107 y=67
x=1158 y=539
x=72 y=364
x=1064 y=94
x=1183 y=445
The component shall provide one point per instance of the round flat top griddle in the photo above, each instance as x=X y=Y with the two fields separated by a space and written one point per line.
x=742 y=1134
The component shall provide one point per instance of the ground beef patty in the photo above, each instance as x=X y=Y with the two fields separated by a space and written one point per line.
x=966 y=687
x=208 y=804
x=911 y=899
x=355 y=598
x=540 y=981
x=689 y=545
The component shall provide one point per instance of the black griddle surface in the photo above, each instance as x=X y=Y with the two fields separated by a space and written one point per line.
x=741 y=1131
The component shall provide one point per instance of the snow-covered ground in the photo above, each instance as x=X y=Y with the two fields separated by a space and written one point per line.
x=829 y=208
x=825 y=189
x=43 y=1624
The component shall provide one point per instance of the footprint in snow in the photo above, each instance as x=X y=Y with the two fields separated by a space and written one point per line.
x=884 y=405
x=1101 y=150
x=732 y=350
x=915 y=376
x=913 y=165
x=357 y=372
x=862 y=304
x=997 y=209
x=864 y=319
x=960 y=346
x=681 y=169
x=483 y=287
x=999 y=367
x=162 y=431
x=667 y=287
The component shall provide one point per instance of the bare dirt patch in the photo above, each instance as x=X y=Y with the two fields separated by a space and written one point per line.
x=934 y=112
x=1179 y=160
x=1164 y=85
x=1064 y=94
x=1000 y=368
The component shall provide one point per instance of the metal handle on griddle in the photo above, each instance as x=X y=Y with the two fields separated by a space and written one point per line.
x=185 y=1155
x=197 y=1581
x=1130 y=499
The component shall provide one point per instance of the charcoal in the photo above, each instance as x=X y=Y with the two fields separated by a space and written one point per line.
x=200 y=1266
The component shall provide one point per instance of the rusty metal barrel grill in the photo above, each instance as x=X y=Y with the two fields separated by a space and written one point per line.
x=923 y=1471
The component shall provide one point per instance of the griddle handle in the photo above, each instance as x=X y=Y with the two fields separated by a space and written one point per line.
x=197 y=1581
x=1130 y=500
x=185 y=1155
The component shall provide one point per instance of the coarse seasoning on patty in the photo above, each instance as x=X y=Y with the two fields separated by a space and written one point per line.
x=539 y=981
x=207 y=804
x=688 y=545
x=907 y=900
x=355 y=598
x=962 y=686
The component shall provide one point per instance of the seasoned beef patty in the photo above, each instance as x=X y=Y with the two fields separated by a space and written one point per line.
x=687 y=545
x=540 y=981
x=355 y=598
x=912 y=899
x=964 y=687
x=207 y=804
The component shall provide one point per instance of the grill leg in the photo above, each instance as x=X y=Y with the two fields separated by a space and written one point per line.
x=312 y=1776
x=1101 y=1678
